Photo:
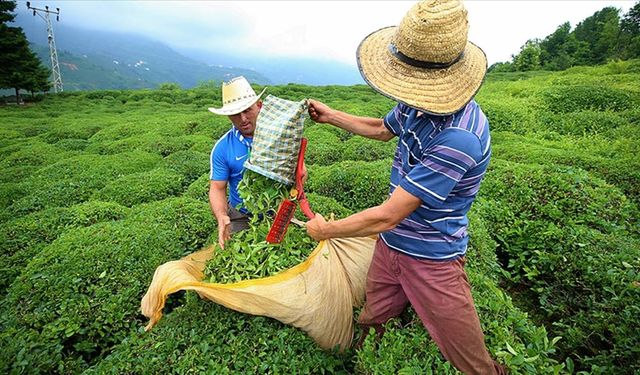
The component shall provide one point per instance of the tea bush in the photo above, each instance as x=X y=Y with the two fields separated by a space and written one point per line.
x=565 y=99
x=511 y=115
x=585 y=123
x=199 y=189
x=326 y=206
x=10 y=192
x=354 y=184
x=76 y=179
x=324 y=147
x=202 y=337
x=365 y=149
x=557 y=230
x=142 y=187
x=80 y=295
x=72 y=144
x=613 y=161
x=189 y=164
x=23 y=237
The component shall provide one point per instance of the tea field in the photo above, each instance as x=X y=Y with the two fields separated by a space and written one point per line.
x=99 y=188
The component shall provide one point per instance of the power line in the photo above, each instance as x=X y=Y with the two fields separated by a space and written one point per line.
x=55 y=67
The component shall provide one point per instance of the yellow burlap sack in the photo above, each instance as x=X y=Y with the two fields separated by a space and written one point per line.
x=317 y=296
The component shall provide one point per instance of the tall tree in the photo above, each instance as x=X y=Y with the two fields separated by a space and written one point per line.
x=630 y=30
x=554 y=49
x=600 y=32
x=20 y=68
x=529 y=56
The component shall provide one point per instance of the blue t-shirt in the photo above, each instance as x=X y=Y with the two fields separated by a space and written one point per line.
x=441 y=160
x=227 y=160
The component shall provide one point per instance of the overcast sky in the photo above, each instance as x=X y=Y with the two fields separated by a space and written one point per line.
x=327 y=29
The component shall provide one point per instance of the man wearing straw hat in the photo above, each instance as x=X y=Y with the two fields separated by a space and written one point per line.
x=427 y=65
x=241 y=104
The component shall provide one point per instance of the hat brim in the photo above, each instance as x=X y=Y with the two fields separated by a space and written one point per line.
x=237 y=107
x=437 y=91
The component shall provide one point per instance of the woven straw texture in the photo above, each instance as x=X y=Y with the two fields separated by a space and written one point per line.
x=317 y=296
x=276 y=141
x=432 y=31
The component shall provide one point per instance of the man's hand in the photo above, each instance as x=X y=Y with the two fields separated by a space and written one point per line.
x=319 y=112
x=316 y=228
x=224 y=230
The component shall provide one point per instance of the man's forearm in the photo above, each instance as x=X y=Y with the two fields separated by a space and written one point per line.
x=365 y=126
x=218 y=203
x=365 y=223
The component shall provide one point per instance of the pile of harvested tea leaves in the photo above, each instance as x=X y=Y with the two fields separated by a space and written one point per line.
x=247 y=255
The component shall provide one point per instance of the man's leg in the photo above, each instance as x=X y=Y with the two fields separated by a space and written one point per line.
x=239 y=221
x=385 y=298
x=441 y=296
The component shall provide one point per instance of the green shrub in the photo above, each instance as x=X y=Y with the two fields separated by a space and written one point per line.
x=33 y=153
x=80 y=295
x=142 y=187
x=614 y=161
x=326 y=206
x=354 y=184
x=202 y=337
x=565 y=99
x=508 y=114
x=10 y=192
x=73 y=130
x=189 y=164
x=584 y=123
x=558 y=229
x=23 y=237
x=324 y=147
x=151 y=142
x=199 y=189
x=191 y=220
x=76 y=179
x=365 y=149
x=72 y=144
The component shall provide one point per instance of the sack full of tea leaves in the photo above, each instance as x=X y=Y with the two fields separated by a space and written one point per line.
x=276 y=142
x=317 y=295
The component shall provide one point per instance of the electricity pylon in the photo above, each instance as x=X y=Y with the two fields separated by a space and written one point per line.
x=55 y=67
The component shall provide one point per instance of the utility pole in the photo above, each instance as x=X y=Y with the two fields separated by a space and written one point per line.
x=55 y=67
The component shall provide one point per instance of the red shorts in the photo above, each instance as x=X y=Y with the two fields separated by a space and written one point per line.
x=440 y=294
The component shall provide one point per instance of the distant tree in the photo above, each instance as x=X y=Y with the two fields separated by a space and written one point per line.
x=169 y=86
x=556 y=49
x=630 y=32
x=601 y=33
x=501 y=67
x=20 y=68
x=529 y=57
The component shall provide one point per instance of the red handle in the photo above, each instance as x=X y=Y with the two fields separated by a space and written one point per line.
x=302 y=198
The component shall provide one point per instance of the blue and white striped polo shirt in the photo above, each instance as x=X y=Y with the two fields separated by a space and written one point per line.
x=441 y=160
x=227 y=163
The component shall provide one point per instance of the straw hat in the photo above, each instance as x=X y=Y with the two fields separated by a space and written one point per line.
x=426 y=62
x=237 y=95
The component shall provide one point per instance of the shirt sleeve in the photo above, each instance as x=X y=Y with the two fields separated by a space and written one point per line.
x=442 y=166
x=394 y=120
x=219 y=168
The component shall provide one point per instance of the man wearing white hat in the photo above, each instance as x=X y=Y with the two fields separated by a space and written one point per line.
x=241 y=104
x=427 y=65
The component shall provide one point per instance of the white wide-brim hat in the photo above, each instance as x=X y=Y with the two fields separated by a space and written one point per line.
x=237 y=95
x=426 y=62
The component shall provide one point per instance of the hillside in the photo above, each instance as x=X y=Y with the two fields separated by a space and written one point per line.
x=99 y=188
x=93 y=59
